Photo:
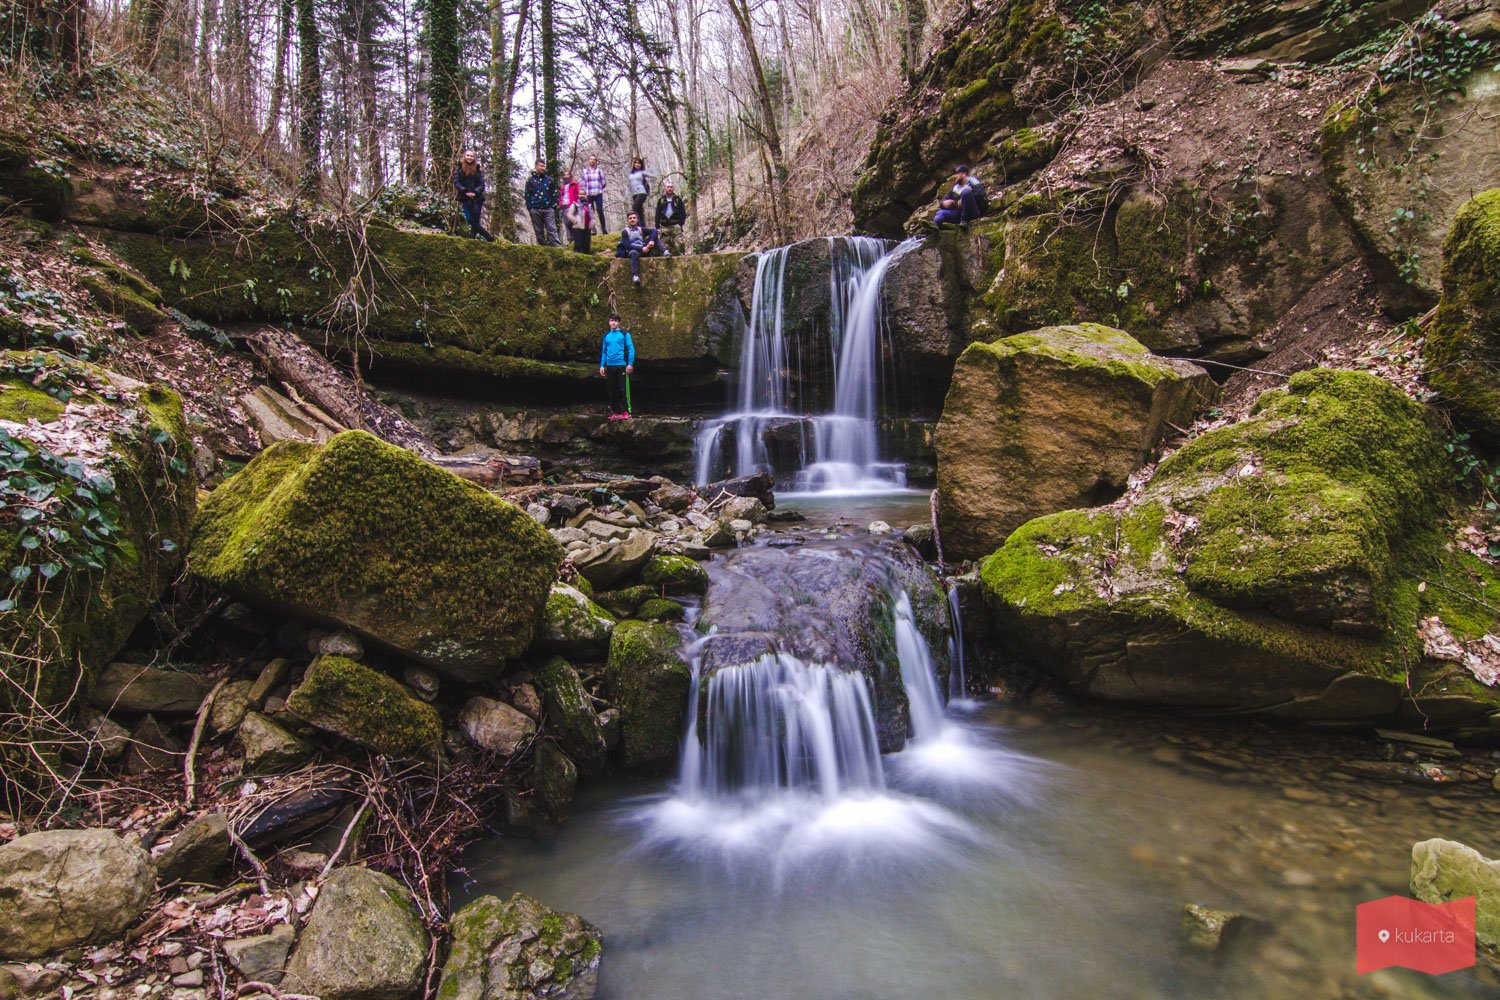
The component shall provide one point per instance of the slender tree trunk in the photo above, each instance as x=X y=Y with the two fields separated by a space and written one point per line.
x=633 y=73
x=278 y=74
x=207 y=28
x=550 y=139
x=369 y=97
x=445 y=101
x=770 y=133
x=310 y=102
x=505 y=72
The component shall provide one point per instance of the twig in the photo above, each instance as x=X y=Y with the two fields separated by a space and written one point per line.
x=261 y=874
x=344 y=840
x=189 y=771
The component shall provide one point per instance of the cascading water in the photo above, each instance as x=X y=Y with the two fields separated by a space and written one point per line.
x=958 y=682
x=845 y=452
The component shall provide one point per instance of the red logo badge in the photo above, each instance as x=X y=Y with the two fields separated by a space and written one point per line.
x=1429 y=937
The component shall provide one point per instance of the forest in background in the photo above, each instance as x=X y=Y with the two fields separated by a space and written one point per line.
x=759 y=112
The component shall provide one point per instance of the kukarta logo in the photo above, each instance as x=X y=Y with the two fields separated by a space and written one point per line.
x=1429 y=937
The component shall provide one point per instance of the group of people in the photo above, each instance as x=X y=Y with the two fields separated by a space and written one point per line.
x=579 y=205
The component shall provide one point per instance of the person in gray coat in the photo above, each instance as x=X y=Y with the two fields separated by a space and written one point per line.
x=638 y=186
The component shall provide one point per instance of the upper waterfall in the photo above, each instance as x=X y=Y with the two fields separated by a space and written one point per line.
x=773 y=427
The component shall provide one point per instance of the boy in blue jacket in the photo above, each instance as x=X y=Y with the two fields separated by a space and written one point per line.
x=616 y=362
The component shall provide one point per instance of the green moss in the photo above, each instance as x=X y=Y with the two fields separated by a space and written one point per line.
x=481 y=302
x=675 y=575
x=623 y=602
x=570 y=711
x=661 y=609
x=1083 y=346
x=348 y=698
x=19 y=403
x=648 y=680
x=1462 y=353
x=1299 y=535
x=368 y=535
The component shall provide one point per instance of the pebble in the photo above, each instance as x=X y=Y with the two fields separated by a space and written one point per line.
x=539 y=513
x=1299 y=878
x=193 y=978
x=1496 y=783
x=1299 y=794
x=879 y=528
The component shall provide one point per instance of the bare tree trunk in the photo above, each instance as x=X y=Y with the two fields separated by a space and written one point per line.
x=278 y=75
x=505 y=71
x=369 y=95
x=310 y=102
x=770 y=133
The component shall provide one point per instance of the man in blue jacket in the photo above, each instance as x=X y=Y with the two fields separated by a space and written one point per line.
x=637 y=241
x=616 y=362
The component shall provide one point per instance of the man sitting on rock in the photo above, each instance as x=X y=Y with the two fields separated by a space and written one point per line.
x=637 y=241
x=967 y=196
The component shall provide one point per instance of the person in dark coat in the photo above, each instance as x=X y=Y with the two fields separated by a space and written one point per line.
x=468 y=183
x=541 y=203
x=670 y=211
x=616 y=362
x=637 y=241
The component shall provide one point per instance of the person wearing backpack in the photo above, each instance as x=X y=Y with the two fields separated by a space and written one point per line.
x=616 y=362
x=580 y=219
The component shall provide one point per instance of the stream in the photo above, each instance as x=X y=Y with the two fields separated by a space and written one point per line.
x=1040 y=851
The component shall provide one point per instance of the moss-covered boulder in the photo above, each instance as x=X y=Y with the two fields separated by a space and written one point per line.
x=661 y=609
x=675 y=575
x=504 y=310
x=341 y=696
x=363 y=535
x=1462 y=354
x=571 y=715
x=648 y=680
x=1276 y=565
x=109 y=461
x=1445 y=870
x=1050 y=420
x=268 y=747
x=364 y=940
x=520 y=949
x=554 y=776
x=573 y=625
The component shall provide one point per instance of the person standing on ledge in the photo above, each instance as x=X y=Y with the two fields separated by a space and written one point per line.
x=468 y=182
x=593 y=189
x=670 y=211
x=639 y=186
x=541 y=203
x=616 y=362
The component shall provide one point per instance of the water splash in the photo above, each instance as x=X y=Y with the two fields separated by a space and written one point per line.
x=958 y=681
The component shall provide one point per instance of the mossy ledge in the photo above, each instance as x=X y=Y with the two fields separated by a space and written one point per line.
x=1271 y=566
x=365 y=535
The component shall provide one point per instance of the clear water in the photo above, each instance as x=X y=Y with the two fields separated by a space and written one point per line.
x=837 y=452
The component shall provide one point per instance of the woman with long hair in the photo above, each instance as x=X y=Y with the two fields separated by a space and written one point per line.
x=639 y=187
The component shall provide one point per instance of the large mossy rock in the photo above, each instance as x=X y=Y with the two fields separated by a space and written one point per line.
x=1445 y=870
x=1274 y=565
x=342 y=696
x=1462 y=355
x=1051 y=420
x=677 y=576
x=504 y=310
x=520 y=949
x=363 y=535
x=62 y=888
x=648 y=680
x=363 y=941
x=126 y=443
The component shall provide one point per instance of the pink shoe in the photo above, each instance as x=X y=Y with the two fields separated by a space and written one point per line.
x=624 y=416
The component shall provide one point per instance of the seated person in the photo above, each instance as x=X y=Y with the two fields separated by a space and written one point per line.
x=948 y=213
x=969 y=194
x=637 y=241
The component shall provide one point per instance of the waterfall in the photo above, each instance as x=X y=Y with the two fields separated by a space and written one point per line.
x=844 y=444
x=780 y=723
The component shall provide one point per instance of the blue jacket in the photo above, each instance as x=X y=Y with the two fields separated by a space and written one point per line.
x=617 y=349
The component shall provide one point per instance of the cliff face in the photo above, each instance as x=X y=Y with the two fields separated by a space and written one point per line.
x=1221 y=183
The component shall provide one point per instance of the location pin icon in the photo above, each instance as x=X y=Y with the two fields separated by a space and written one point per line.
x=1384 y=936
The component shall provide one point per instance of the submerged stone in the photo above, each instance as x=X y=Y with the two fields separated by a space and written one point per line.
x=365 y=535
x=1445 y=870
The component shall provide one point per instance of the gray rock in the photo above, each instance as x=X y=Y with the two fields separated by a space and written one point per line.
x=152 y=747
x=424 y=681
x=570 y=712
x=363 y=941
x=879 y=528
x=520 y=950
x=341 y=643
x=197 y=852
x=539 y=512
x=230 y=706
x=744 y=509
x=268 y=747
x=611 y=724
x=63 y=888
x=526 y=698
x=1212 y=930
x=554 y=777
x=262 y=958
x=272 y=676
x=129 y=687
x=720 y=535
x=672 y=498
x=494 y=725
x=568 y=535
x=606 y=563
x=107 y=740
